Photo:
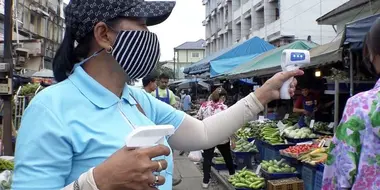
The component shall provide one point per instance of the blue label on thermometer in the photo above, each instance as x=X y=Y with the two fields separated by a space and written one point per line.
x=297 y=56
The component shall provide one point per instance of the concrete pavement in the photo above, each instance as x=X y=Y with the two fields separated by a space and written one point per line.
x=191 y=175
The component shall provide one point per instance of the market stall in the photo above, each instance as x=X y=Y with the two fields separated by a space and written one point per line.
x=286 y=154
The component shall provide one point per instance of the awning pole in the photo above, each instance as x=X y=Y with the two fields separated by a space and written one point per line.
x=336 y=104
x=351 y=74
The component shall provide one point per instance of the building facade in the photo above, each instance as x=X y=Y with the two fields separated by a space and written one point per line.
x=185 y=55
x=277 y=21
x=39 y=29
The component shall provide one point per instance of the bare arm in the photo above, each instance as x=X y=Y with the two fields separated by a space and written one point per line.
x=297 y=110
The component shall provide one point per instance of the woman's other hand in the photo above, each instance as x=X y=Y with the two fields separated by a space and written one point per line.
x=132 y=169
x=271 y=88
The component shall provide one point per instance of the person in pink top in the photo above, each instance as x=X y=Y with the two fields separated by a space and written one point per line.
x=207 y=109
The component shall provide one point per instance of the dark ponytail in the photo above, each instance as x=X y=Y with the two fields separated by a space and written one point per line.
x=68 y=55
x=64 y=58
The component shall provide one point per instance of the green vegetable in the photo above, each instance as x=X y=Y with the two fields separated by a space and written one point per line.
x=243 y=145
x=247 y=179
x=6 y=165
x=274 y=166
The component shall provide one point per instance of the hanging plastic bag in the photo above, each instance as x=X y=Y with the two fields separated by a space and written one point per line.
x=195 y=156
x=5 y=180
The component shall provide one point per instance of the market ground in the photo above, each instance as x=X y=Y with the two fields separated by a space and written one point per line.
x=191 y=175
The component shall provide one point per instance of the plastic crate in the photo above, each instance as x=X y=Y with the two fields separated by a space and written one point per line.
x=243 y=159
x=260 y=148
x=308 y=175
x=270 y=176
x=299 y=140
x=272 y=154
x=219 y=166
x=272 y=116
x=237 y=188
x=318 y=180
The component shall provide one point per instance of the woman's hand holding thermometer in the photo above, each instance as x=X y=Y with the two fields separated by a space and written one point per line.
x=292 y=59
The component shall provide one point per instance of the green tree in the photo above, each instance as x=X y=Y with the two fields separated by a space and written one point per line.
x=160 y=68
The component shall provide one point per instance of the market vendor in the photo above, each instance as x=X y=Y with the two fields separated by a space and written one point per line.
x=305 y=105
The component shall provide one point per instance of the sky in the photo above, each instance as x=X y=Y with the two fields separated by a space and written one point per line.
x=184 y=24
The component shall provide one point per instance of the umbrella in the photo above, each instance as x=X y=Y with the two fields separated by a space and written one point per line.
x=44 y=73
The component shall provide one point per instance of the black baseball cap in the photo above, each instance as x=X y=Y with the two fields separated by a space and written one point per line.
x=82 y=15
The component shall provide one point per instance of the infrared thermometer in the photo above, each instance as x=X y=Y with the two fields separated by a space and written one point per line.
x=148 y=136
x=292 y=59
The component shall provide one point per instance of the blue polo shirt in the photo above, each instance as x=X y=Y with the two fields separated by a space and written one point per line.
x=75 y=125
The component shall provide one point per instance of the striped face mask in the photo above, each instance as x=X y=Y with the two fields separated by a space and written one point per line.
x=137 y=52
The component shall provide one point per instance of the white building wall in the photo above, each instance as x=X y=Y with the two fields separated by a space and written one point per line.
x=232 y=21
x=299 y=19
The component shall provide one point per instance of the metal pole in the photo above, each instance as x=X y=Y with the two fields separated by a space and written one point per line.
x=336 y=104
x=174 y=59
x=7 y=116
x=351 y=74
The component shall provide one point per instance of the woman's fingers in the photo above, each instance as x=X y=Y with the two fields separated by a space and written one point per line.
x=155 y=180
x=292 y=87
x=159 y=165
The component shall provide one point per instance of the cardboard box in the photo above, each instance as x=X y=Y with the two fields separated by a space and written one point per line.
x=285 y=184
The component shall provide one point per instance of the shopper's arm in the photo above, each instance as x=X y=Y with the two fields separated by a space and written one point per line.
x=194 y=134
x=298 y=107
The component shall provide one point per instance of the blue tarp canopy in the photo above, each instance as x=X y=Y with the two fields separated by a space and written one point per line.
x=247 y=81
x=221 y=66
x=249 y=47
x=355 y=32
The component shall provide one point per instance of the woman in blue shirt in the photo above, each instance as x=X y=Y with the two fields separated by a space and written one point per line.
x=72 y=134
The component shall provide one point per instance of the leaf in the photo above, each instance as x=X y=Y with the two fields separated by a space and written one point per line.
x=354 y=139
x=331 y=148
x=371 y=161
x=378 y=159
x=354 y=157
x=373 y=108
x=330 y=159
x=375 y=119
x=355 y=124
x=353 y=175
x=341 y=132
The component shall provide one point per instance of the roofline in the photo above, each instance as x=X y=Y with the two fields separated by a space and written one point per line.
x=327 y=16
x=190 y=49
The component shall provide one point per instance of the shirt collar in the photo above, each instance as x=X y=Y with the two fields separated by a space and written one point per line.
x=95 y=92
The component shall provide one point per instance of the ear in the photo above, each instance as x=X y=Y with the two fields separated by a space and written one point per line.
x=104 y=37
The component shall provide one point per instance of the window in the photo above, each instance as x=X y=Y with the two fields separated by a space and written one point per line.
x=32 y=19
x=195 y=54
x=277 y=13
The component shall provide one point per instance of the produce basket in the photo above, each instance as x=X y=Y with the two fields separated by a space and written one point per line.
x=270 y=176
x=219 y=166
x=312 y=176
x=318 y=180
x=243 y=159
x=260 y=147
x=299 y=140
x=246 y=189
x=274 y=169
x=323 y=133
x=273 y=151
x=308 y=176
x=277 y=146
